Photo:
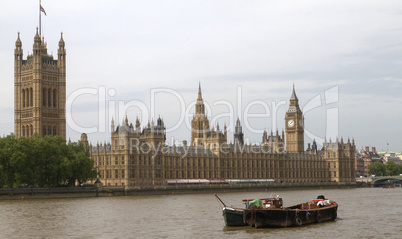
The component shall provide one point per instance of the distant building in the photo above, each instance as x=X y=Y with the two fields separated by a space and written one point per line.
x=39 y=90
x=390 y=156
x=361 y=165
x=364 y=158
x=140 y=157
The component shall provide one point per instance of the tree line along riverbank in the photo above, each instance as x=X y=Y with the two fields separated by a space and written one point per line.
x=43 y=162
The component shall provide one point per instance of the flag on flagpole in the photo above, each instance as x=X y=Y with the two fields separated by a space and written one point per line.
x=42 y=10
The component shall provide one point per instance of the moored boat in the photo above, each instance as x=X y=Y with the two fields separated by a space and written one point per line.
x=235 y=216
x=269 y=212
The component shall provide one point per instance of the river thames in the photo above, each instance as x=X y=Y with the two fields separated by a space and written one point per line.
x=362 y=213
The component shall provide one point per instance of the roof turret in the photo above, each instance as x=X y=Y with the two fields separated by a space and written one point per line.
x=61 y=42
x=18 y=42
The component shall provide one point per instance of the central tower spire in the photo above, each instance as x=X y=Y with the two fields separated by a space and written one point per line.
x=199 y=99
x=200 y=123
x=199 y=107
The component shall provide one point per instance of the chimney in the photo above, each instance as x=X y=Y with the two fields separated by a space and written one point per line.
x=367 y=149
x=373 y=150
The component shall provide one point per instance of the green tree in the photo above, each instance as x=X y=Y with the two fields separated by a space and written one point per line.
x=80 y=165
x=377 y=168
x=8 y=171
x=392 y=168
x=43 y=162
x=21 y=162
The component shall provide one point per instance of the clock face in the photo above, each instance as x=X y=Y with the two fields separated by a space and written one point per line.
x=301 y=122
x=291 y=123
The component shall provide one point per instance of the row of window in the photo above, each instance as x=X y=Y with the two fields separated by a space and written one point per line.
x=147 y=160
x=49 y=97
x=178 y=174
x=49 y=130
x=224 y=163
x=121 y=174
x=303 y=174
x=27 y=97
x=27 y=130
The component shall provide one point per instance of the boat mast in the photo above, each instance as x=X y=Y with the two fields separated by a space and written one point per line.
x=220 y=200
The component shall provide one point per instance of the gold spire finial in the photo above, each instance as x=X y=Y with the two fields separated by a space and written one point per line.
x=199 y=91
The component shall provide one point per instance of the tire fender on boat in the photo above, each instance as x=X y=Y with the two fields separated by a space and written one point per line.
x=318 y=217
x=307 y=216
x=297 y=221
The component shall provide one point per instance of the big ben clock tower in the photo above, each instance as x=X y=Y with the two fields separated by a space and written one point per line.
x=294 y=121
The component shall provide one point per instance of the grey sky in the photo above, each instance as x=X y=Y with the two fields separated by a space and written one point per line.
x=260 y=46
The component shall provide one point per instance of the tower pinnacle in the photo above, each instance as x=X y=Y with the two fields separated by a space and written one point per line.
x=199 y=93
x=18 y=42
x=293 y=97
x=61 y=42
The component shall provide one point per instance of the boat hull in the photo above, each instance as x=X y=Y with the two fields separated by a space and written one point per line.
x=288 y=217
x=233 y=217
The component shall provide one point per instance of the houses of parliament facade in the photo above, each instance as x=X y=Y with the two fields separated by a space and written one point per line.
x=138 y=156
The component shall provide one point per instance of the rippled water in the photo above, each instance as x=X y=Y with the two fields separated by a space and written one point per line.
x=362 y=213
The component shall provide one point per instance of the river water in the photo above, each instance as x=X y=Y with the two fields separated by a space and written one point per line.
x=362 y=213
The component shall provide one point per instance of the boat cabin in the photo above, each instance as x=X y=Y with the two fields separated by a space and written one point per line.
x=263 y=203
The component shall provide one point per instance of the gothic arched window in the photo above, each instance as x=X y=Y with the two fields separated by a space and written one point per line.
x=43 y=97
x=49 y=100
x=31 y=97
x=26 y=97
x=23 y=98
x=54 y=98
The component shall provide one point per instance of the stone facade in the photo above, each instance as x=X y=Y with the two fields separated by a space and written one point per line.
x=39 y=90
x=141 y=158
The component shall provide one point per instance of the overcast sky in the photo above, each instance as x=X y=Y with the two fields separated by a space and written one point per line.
x=344 y=57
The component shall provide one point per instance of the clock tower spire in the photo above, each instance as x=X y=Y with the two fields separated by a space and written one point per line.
x=294 y=122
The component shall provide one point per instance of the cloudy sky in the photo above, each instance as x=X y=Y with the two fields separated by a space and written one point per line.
x=146 y=59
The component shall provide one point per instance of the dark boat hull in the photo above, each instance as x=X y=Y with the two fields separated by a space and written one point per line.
x=288 y=216
x=233 y=217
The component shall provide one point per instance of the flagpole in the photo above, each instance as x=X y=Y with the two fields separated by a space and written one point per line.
x=40 y=25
